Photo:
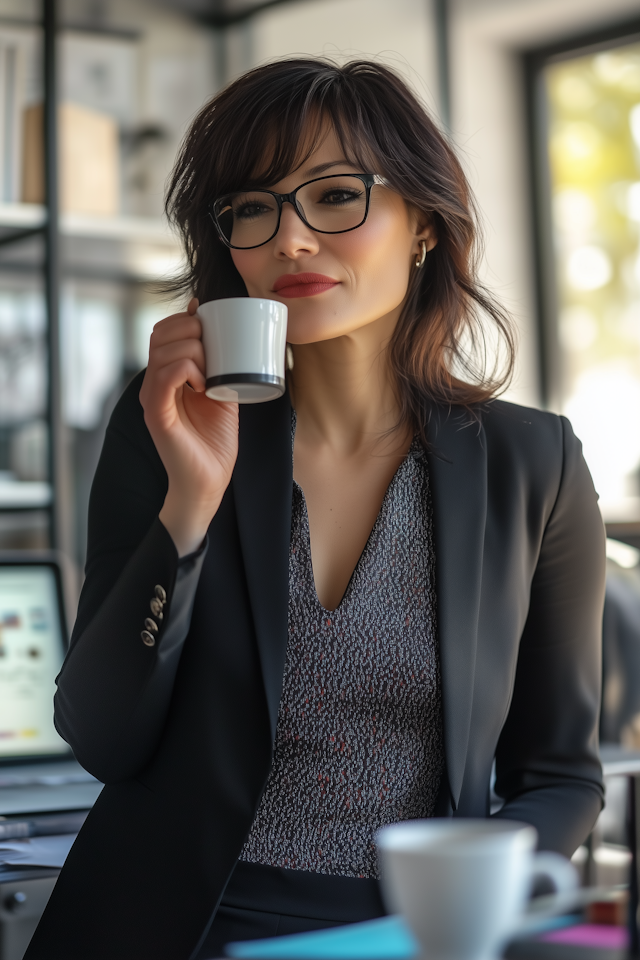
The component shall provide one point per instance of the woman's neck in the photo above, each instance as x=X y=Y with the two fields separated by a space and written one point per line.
x=343 y=393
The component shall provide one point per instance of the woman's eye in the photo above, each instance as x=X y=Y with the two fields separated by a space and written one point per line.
x=249 y=211
x=339 y=197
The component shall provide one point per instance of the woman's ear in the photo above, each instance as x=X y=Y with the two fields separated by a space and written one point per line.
x=431 y=240
x=425 y=230
x=429 y=234
x=424 y=243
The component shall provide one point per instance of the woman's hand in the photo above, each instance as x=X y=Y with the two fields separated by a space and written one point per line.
x=197 y=438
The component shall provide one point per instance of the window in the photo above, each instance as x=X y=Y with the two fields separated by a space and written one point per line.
x=586 y=112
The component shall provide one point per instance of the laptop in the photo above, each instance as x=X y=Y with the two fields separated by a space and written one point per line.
x=38 y=772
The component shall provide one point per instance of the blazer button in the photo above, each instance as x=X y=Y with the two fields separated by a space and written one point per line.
x=151 y=625
x=161 y=593
x=148 y=639
x=156 y=608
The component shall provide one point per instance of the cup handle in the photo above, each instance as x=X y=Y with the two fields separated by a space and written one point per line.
x=564 y=877
x=556 y=868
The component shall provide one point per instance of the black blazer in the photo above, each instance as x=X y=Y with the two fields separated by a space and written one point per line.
x=182 y=732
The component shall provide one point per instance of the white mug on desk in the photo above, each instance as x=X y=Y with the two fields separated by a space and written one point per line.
x=462 y=885
x=244 y=340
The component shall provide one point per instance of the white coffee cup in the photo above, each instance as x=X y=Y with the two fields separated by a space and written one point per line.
x=462 y=885
x=244 y=340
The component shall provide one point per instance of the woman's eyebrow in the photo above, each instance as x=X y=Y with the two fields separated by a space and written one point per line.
x=313 y=171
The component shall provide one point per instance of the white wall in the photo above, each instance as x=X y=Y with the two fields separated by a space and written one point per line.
x=398 y=32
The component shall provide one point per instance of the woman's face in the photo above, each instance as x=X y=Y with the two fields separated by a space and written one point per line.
x=366 y=271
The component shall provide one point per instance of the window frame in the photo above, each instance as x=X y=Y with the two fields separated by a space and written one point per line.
x=544 y=268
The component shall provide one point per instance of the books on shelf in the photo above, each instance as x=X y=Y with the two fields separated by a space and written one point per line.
x=97 y=114
x=89 y=154
x=20 y=84
x=98 y=77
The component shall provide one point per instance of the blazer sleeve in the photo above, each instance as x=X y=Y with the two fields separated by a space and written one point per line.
x=113 y=691
x=547 y=766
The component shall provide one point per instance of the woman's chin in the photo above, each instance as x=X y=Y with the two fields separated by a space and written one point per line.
x=315 y=332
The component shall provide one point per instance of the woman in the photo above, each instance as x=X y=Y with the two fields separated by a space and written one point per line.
x=339 y=614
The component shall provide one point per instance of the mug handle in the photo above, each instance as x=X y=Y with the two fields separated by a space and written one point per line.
x=564 y=877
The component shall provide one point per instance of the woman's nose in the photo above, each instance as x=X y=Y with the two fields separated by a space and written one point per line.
x=294 y=238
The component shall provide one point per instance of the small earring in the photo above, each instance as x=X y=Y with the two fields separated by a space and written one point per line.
x=423 y=256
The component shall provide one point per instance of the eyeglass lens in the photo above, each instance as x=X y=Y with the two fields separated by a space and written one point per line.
x=330 y=205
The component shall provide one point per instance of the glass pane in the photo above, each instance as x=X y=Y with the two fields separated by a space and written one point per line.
x=334 y=204
x=24 y=439
x=594 y=157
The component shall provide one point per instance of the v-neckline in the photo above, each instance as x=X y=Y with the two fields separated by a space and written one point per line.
x=414 y=449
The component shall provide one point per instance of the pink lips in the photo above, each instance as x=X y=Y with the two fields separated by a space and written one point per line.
x=303 y=284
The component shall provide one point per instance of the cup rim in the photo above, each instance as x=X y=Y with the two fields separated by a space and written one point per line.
x=461 y=837
x=242 y=300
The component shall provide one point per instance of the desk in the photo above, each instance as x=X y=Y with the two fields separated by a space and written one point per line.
x=46 y=787
x=23 y=896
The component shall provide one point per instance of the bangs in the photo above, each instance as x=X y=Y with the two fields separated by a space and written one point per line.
x=281 y=136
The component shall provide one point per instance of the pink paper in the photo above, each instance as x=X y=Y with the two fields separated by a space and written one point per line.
x=590 y=935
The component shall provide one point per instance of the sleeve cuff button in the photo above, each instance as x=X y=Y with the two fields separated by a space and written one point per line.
x=148 y=639
x=161 y=593
x=156 y=608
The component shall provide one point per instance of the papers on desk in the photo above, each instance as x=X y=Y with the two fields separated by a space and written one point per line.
x=385 y=939
x=36 y=851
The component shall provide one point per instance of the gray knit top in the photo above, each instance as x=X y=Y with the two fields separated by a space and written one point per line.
x=359 y=734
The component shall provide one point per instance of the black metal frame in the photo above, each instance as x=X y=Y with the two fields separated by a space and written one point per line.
x=441 y=17
x=535 y=60
x=50 y=233
x=632 y=840
x=219 y=19
x=52 y=268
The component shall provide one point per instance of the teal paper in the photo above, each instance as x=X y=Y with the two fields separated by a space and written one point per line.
x=384 y=939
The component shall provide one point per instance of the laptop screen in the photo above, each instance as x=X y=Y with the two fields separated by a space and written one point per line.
x=32 y=648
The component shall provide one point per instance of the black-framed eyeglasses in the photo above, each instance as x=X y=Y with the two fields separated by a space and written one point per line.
x=333 y=204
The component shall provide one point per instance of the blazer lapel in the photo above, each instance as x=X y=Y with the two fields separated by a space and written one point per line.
x=458 y=474
x=262 y=487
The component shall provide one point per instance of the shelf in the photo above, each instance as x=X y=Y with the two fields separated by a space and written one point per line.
x=24 y=216
x=21 y=216
x=139 y=248
x=620 y=512
x=23 y=494
x=132 y=229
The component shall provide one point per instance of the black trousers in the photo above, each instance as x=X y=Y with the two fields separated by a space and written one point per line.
x=270 y=901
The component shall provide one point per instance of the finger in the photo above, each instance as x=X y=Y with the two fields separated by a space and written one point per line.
x=158 y=394
x=174 y=376
x=172 y=316
x=190 y=350
x=182 y=326
x=178 y=350
x=194 y=303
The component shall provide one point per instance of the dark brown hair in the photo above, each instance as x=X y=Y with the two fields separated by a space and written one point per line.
x=266 y=124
